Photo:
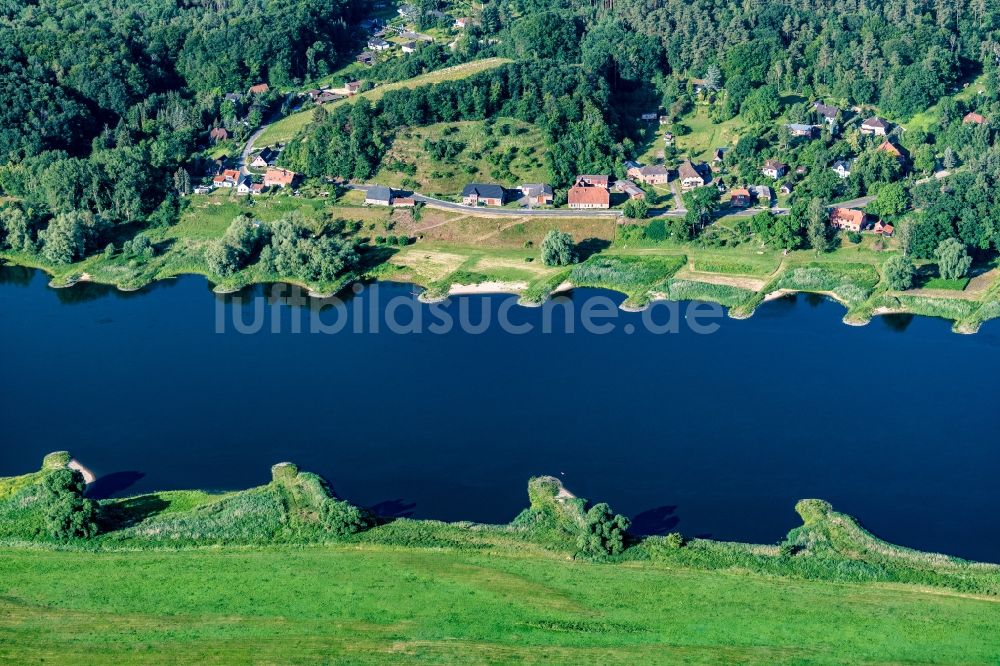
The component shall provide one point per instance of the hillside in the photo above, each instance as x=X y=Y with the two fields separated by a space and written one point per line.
x=440 y=159
x=527 y=590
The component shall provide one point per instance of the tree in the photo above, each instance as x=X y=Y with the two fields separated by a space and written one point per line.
x=949 y=161
x=817 y=231
x=64 y=240
x=898 y=272
x=761 y=105
x=636 y=209
x=557 y=249
x=891 y=201
x=953 y=259
x=713 y=78
x=489 y=19
x=16 y=229
x=182 y=181
x=603 y=533
x=701 y=204
x=68 y=514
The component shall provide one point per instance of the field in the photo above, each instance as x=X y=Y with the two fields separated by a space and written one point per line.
x=288 y=573
x=510 y=153
x=371 y=604
x=286 y=128
x=704 y=135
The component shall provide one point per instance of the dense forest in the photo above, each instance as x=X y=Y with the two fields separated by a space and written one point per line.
x=109 y=105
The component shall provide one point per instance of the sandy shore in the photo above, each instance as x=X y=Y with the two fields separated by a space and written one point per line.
x=88 y=476
x=487 y=288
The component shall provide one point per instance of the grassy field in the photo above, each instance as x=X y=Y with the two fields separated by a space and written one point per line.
x=286 y=128
x=262 y=576
x=375 y=604
x=510 y=152
x=705 y=136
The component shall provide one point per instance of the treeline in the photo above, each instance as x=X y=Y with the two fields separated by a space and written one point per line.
x=572 y=108
x=899 y=55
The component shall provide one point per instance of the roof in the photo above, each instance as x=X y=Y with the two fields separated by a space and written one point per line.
x=259 y=88
x=628 y=187
x=589 y=195
x=876 y=122
x=888 y=147
x=740 y=192
x=232 y=174
x=687 y=170
x=654 y=170
x=842 y=164
x=593 y=179
x=483 y=190
x=799 y=127
x=825 y=110
x=973 y=117
x=379 y=193
x=283 y=176
x=536 y=189
x=775 y=164
x=848 y=215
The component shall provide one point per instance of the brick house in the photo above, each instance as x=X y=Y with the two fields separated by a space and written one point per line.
x=656 y=174
x=740 y=197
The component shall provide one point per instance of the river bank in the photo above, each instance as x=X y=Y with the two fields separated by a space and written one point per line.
x=423 y=392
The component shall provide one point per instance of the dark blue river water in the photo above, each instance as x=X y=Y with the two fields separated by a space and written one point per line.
x=708 y=434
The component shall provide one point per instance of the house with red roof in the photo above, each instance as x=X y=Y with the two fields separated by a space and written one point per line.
x=279 y=178
x=848 y=219
x=590 y=192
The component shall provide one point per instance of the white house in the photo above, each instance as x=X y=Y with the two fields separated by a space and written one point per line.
x=842 y=168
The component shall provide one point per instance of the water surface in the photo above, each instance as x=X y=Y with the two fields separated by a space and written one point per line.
x=713 y=435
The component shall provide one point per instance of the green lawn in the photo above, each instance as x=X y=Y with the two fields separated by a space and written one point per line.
x=372 y=604
x=705 y=136
x=286 y=128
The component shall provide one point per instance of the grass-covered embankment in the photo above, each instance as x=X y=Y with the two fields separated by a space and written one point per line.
x=296 y=575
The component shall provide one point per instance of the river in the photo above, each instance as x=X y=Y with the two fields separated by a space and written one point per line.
x=710 y=434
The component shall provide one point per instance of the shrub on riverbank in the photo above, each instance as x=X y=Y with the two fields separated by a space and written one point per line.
x=689 y=290
x=632 y=275
x=298 y=508
x=852 y=283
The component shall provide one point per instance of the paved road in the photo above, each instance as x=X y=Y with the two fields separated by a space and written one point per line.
x=860 y=202
x=248 y=148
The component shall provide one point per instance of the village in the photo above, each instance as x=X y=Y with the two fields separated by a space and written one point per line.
x=659 y=176
x=599 y=194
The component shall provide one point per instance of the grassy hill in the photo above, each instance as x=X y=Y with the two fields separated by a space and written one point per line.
x=295 y=575
x=506 y=151
x=286 y=128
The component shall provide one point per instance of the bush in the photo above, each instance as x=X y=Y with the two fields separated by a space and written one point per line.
x=656 y=230
x=603 y=532
x=557 y=249
x=68 y=515
x=674 y=540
